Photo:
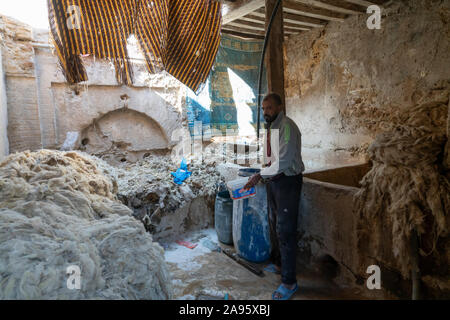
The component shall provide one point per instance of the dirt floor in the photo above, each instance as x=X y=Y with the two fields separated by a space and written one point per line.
x=202 y=274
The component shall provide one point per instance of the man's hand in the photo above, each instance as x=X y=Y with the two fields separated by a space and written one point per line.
x=252 y=181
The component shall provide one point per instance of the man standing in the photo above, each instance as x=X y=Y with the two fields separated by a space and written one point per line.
x=283 y=173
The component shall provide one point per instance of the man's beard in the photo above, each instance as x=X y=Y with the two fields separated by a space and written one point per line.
x=270 y=119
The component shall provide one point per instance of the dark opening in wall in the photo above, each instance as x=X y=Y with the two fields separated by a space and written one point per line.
x=328 y=266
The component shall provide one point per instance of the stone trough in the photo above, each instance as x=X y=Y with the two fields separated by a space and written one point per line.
x=327 y=221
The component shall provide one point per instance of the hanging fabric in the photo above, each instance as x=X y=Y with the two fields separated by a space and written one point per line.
x=179 y=36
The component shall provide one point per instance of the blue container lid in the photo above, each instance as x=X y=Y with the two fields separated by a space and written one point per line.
x=247 y=172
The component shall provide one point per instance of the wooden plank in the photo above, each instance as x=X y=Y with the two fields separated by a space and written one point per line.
x=229 y=27
x=298 y=19
x=258 y=27
x=335 y=5
x=309 y=11
x=379 y=2
x=256 y=19
x=242 y=35
x=306 y=21
x=238 y=9
x=244 y=23
x=368 y=3
x=274 y=60
x=290 y=31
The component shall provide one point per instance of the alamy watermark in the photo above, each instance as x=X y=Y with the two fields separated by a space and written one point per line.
x=225 y=147
x=73 y=20
x=374 y=281
x=74 y=279
x=374 y=20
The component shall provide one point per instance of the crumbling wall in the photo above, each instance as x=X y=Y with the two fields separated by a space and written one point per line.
x=4 y=143
x=123 y=134
x=51 y=113
x=360 y=94
x=344 y=82
x=24 y=130
x=59 y=210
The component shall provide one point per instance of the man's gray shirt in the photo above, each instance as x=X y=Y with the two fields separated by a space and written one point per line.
x=286 y=147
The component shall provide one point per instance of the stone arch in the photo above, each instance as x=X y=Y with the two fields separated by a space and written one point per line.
x=123 y=132
x=78 y=112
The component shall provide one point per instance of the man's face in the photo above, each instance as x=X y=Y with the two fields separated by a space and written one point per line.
x=270 y=110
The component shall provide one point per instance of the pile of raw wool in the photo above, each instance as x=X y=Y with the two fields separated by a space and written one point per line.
x=58 y=210
x=407 y=189
x=147 y=185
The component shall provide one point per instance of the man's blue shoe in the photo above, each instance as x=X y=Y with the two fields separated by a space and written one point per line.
x=284 y=292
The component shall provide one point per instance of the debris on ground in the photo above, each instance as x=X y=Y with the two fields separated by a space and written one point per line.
x=187 y=244
x=148 y=189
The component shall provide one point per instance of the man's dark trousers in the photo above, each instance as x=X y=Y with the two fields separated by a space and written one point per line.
x=283 y=195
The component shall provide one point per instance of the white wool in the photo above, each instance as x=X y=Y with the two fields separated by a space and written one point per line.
x=58 y=210
x=147 y=186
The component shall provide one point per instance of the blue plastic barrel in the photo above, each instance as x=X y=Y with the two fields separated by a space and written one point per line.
x=251 y=235
x=223 y=217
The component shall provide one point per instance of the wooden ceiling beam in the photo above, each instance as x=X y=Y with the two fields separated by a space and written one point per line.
x=242 y=35
x=229 y=27
x=335 y=5
x=257 y=26
x=245 y=24
x=368 y=3
x=309 y=11
x=307 y=21
x=234 y=10
x=297 y=19
x=291 y=31
x=259 y=20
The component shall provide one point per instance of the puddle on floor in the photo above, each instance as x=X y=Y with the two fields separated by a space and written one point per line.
x=203 y=274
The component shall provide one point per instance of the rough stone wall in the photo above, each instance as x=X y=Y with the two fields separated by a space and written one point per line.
x=447 y=147
x=43 y=110
x=345 y=82
x=4 y=143
x=18 y=67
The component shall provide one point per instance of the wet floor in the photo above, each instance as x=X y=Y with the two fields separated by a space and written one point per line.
x=201 y=273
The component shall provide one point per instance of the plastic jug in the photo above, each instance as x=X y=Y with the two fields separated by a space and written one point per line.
x=236 y=189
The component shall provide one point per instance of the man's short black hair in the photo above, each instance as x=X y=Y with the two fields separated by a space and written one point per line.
x=275 y=97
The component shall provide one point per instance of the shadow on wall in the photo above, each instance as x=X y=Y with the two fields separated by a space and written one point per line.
x=124 y=134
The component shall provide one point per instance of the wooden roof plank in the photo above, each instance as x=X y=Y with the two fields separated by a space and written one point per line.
x=243 y=30
x=244 y=23
x=368 y=3
x=242 y=35
x=306 y=10
x=239 y=8
x=256 y=19
x=335 y=5
x=298 y=19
